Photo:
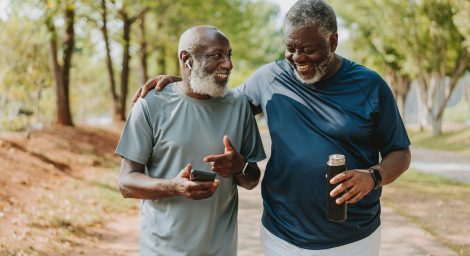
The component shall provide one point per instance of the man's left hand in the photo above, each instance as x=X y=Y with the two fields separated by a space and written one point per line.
x=355 y=183
x=228 y=163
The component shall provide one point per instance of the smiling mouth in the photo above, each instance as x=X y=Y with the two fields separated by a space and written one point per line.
x=222 y=76
x=303 y=68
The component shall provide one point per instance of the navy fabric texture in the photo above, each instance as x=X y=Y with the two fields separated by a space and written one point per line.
x=353 y=113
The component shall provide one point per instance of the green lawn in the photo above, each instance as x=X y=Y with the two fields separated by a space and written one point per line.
x=457 y=141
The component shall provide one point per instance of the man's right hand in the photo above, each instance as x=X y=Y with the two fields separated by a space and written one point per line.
x=196 y=190
x=158 y=82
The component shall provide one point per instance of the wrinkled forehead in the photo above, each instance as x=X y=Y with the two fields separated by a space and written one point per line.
x=304 y=33
x=212 y=40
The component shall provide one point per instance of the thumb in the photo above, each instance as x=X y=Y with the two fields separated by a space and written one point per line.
x=227 y=144
x=185 y=172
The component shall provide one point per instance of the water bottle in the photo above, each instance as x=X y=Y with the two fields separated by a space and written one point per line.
x=335 y=212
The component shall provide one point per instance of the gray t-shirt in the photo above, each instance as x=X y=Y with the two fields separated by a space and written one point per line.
x=167 y=130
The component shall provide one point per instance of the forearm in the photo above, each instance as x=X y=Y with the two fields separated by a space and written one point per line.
x=251 y=177
x=133 y=183
x=394 y=165
x=140 y=186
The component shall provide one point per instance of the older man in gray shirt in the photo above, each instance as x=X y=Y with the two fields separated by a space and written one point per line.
x=159 y=148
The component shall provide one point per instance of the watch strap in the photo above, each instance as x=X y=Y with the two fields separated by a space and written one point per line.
x=376 y=176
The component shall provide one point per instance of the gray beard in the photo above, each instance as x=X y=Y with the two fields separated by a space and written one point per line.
x=203 y=83
x=320 y=71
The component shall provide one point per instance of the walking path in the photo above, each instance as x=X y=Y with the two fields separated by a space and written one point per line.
x=448 y=164
x=399 y=236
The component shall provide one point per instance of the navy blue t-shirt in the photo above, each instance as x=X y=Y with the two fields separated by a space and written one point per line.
x=352 y=113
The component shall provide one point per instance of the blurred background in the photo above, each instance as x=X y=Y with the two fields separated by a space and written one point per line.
x=68 y=69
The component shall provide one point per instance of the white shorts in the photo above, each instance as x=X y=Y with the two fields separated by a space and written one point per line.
x=275 y=246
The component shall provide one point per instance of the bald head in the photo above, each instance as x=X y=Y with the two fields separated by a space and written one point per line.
x=197 y=36
x=204 y=55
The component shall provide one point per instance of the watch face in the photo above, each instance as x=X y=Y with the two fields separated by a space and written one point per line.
x=376 y=176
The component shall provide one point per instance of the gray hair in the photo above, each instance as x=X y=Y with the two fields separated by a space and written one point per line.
x=190 y=39
x=312 y=12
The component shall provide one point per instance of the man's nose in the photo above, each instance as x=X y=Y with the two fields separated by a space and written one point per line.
x=298 y=56
x=227 y=63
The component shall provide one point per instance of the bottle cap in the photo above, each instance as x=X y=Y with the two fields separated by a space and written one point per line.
x=336 y=160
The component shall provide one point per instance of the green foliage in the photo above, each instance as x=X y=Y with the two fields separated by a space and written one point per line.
x=425 y=40
x=25 y=76
x=26 y=81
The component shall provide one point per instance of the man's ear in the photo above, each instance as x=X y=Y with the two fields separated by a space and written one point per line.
x=184 y=56
x=333 y=41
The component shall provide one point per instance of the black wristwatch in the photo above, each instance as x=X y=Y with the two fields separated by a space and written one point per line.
x=376 y=176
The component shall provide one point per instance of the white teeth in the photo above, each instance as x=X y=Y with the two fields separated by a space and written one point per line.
x=222 y=76
x=302 y=67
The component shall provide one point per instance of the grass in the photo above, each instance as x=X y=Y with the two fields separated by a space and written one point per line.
x=455 y=141
x=436 y=204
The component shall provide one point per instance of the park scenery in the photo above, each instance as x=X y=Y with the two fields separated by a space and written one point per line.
x=69 y=68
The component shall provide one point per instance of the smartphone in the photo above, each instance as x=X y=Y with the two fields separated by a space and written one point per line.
x=198 y=175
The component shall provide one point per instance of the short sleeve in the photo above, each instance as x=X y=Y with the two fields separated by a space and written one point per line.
x=390 y=131
x=254 y=86
x=136 y=142
x=252 y=146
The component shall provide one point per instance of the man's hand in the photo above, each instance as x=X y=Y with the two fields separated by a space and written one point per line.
x=196 y=190
x=158 y=82
x=355 y=183
x=228 y=163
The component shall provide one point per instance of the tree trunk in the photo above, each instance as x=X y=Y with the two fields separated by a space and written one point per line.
x=467 y=92
x=126 y=57
x=422 y=117
x=109 y=64
x=436 y=90
x=161 y=62
x=400 y=87
x=143 y=50
x=62 y=73
x=125 y=64
x=436 y=123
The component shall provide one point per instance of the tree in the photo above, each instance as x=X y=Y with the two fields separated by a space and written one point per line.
x=426 y=37
x=119 y=99
x=375 y=46
x=437 y=52
x=61 y=64
x=24 y=73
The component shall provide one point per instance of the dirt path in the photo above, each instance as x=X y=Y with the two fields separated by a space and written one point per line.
x=399 y=236
x=46 y=170
x=122 y=236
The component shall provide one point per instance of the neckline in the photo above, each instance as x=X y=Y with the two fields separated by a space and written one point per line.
x=185 y=97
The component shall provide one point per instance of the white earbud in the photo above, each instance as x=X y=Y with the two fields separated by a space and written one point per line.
x=187 y=65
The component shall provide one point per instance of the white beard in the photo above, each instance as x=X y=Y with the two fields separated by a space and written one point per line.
x=204 y=83
x=320 y=71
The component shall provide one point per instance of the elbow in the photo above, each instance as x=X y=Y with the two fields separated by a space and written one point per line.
x=124 y=188
x=252 y=185
x=407 y=160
